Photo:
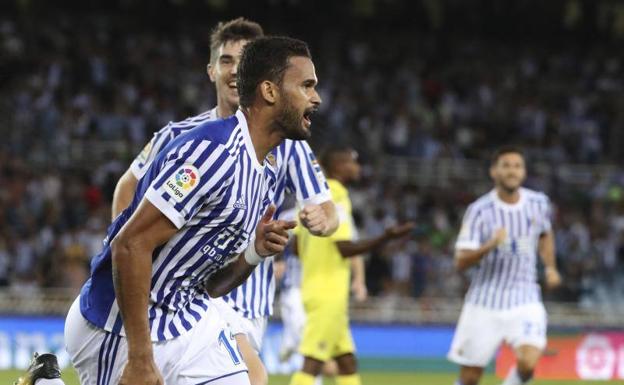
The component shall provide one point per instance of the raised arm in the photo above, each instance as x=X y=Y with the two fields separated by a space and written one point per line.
x=321 y=220
x=465 y=258
x=305 y=178
x=350 y=249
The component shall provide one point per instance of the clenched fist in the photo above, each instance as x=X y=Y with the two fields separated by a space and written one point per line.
x=553 y=278
x=313 y=218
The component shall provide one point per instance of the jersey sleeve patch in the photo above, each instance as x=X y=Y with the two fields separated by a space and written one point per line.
x=182 y=182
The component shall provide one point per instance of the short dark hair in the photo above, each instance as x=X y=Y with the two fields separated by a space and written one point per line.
x=233 y=31
x=330 y=153
x=263 y=59
x=508 y=149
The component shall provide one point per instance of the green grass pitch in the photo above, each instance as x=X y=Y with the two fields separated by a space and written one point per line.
x=368 y=378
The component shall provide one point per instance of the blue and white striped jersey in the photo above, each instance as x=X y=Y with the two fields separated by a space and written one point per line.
x=507 y=276
x=165 y=135
x=298 y=172
x=209 y=183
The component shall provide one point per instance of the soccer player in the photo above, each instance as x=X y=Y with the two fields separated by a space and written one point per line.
x=195 y=228
x=501 y=234
x=291 y=305
x=248 y=307
x=325 y=278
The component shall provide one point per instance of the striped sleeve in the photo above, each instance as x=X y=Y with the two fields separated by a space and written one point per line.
x=305 y=176
x=190 y=178
x=141 y=163
x=469 y=236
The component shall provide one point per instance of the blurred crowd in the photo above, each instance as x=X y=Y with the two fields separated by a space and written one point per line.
x=85 y=93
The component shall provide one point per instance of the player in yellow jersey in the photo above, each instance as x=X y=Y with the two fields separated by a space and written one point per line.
x=325 y=277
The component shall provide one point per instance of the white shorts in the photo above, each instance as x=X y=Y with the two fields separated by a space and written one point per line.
x=480 y=331
x=253 y=328
x=206 y=354
x=293 y=317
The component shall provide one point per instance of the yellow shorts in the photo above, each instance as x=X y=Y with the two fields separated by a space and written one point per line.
x=326 y=333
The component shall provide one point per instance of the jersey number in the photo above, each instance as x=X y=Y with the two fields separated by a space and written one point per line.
x=225 y=341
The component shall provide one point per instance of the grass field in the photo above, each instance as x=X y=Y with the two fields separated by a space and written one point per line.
x=7 y=378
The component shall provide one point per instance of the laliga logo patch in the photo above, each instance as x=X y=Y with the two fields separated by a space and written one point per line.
x=186 y=177
x=182 y=182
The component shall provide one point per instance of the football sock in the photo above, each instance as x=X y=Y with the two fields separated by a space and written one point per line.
x=301 y=378
x=351 y=379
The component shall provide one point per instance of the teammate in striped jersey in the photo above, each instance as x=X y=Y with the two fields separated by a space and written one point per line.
x=194 y=228
x=502 y=233
x=297 y=172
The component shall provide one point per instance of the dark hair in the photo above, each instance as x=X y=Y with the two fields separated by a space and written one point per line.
x=233 y=31
x=329 y=155
x=509 y=149
x=266 y=59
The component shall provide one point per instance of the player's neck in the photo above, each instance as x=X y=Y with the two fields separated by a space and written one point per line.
x=508 y=196
x=224 y=110
x=264 y=135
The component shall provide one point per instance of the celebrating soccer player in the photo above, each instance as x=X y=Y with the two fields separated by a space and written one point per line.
x=195 y=229
x=247 y=307
x=500 y=235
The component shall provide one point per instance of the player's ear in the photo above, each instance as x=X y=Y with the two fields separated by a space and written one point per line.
x=210 y=71
x=492 y=172
x=269 y=91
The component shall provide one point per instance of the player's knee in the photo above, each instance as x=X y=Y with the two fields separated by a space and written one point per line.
x=470 y=375
x=526 y=363
x=347 y=364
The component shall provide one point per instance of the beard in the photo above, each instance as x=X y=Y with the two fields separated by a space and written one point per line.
x=509 y=188
x=289 y=120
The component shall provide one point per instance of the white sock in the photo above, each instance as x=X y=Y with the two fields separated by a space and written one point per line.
x=513 y=378
x=45 y=381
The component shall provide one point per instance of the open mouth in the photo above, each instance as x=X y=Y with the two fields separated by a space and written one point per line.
x=232 y=85
x=307 y=116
